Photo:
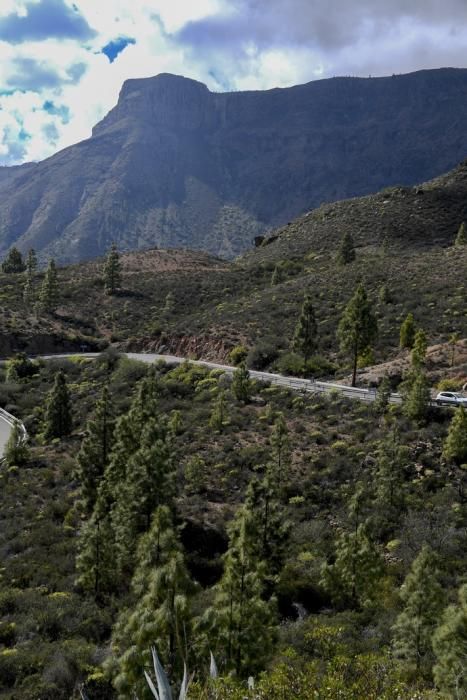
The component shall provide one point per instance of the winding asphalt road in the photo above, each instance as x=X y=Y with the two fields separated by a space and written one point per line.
x=294 y=383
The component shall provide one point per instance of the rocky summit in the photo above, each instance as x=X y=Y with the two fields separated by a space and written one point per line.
x=175 y=165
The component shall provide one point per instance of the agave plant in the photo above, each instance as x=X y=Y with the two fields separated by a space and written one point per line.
x=213 y=672
x=164 y=691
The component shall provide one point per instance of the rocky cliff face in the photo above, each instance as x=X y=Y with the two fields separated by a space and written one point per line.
x=174 y=165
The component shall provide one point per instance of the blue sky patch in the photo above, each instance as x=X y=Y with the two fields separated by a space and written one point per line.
x=116 y=46
x=45 y=20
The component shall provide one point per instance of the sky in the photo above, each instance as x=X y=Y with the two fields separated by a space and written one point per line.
x=63 y=62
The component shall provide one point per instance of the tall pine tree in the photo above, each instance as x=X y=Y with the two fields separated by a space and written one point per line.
x=95 y=561
x=48 y=297
x=305 y=335
x=160 y=614
x=419 y=349
x=241 y=624
x=112 y=270
x=264 y=507
x=58 y=421
x=388 y=480
x=94 y=454
x=280 y=443
x=422 y=600
x=357 y=328
x=29 y=290
x=346 y=252
x=149 y=483
x=455 y=445
x=417 y=396
x=241 y=384
x=407 y=332
x=450 y=648
x=353 y=576
x=13 y=262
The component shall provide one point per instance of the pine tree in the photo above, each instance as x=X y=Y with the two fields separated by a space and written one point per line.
x=127 y=434
x=422 y=598
x=31 y=261
x=29 y=291
x=280 y=444
x=461 y=238
x=388 y=482
x=13 y=262
x=304 y=339
x=450 y=648
x=346 y=252
x=384 y=294
x=95 y=449
x=407 y=332
x=418 y=397
x=58 y=422
x=175 y=423
x=352 y=578
x=241 y=625
x=98 y=557
x=16 y=451
x=455 y=445
x=277 y=275
x=264 y=507
x=195 y=474
x=48 y=296
x=419 y=349
x=160 y=615
x=218 y=418
x=357 y=328
x=241 y=384
x=453 y=340
x=112 y=270
x=149 y=483
x=383 y=395
x=95 y=562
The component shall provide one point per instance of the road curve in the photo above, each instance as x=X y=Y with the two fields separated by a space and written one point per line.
x=5 y=430
x=294 y=383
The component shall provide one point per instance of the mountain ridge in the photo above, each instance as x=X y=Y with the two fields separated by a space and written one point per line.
x=175 y=165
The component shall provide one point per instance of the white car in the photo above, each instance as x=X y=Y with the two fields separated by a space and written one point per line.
x=451 y=398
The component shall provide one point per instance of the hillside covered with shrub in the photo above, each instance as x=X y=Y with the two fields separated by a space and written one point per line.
x=310 y=541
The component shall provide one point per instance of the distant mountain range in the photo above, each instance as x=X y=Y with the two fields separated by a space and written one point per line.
x=175 y=165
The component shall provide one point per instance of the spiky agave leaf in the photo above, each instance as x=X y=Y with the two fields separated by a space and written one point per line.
x=151 y=685
x=185 y=684
x=213 y=672
x=163 y=685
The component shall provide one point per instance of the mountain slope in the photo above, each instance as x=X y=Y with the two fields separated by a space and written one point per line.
x=195 y=305
x=175 y=165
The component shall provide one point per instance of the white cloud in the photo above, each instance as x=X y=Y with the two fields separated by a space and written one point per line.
x=228 y=44
x=97 y=91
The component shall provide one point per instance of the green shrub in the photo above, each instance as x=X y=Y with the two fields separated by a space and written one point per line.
x=290 y=363
x=451 y=384
x=237 y=355
x=318 y=366
x=262 y=355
